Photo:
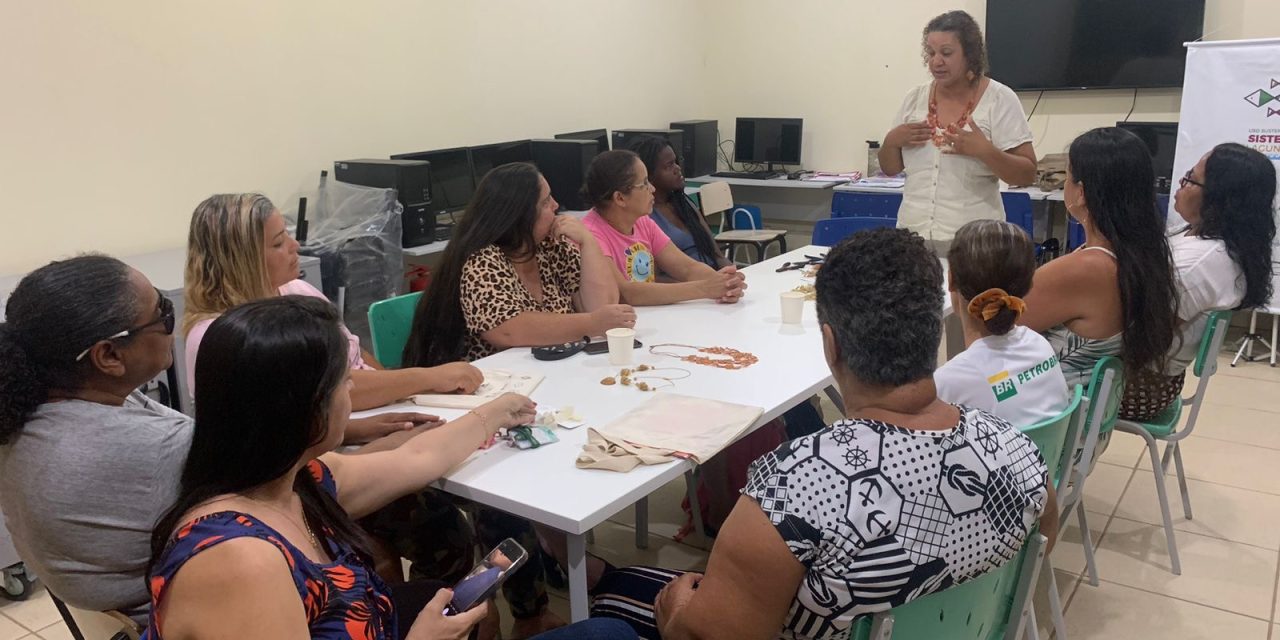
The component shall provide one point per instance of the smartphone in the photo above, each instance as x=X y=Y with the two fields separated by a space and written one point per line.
x=484 y=579
x=596 y=348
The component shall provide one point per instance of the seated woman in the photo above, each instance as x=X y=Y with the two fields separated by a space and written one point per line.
x=1008 y=370
x=823 y=515
x=515 y=274
x=673 y=211
x=238 y=250
x=1121 y=278
x=619 y=190
x=80 y=337
x=1222 y=257
x=260 y=542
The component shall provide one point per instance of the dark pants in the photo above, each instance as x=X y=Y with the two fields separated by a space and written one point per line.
x=429 y=529
x=409 y=599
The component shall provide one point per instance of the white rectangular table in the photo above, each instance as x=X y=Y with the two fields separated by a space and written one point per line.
x=1034 y=192
x=544 y=486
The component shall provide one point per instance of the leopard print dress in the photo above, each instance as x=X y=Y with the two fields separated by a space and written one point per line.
x=493 y=294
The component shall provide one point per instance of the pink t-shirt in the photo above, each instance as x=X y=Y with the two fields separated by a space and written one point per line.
x=634 y=254
x=295 y=288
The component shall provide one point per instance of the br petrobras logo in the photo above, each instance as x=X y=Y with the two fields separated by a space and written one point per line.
x=1266 y=98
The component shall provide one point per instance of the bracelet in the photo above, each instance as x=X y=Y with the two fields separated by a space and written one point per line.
x=484 y=423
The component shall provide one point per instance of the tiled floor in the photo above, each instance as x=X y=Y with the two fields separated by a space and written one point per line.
x=1230 y=552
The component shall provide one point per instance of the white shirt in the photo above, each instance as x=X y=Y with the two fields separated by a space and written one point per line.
x=944 y=191
x=1015 y=376
x=1208 y=280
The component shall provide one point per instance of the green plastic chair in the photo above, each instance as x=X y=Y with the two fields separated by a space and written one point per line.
x=1058 y=439
x=1100 y=407
x=998 y=604
x=390 y=321
x=993 y=606
x=1164 y=427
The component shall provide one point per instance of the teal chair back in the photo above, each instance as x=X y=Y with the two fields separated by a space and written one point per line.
x=390 y=321
x=988 y=608
x=1215 y=332
x=1107 y=384
x=1056 y=437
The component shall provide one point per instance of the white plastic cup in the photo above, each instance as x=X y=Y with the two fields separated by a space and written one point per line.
x=621 y=345
x=792 y=307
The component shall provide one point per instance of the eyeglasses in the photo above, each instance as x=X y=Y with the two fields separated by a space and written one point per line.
x=643 y=185
x=164 y=307
x=1186 y=180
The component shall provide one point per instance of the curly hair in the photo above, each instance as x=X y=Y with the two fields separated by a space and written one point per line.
x=967 y=32
x=56 y=311
x=1239 y=192
x=225 y=264
x=880 y=291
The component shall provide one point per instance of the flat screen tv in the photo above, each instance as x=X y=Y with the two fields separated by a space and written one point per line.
x=1091 y=44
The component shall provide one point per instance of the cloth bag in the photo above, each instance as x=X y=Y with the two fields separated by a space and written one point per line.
x=667 y=427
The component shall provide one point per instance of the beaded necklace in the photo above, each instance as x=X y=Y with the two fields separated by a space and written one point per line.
x=939 y=139
x=735 y=359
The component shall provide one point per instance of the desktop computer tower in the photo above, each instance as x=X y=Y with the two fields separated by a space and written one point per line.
x=622 y=137
x=698 y=156
x=564 y=164
x=412 y=181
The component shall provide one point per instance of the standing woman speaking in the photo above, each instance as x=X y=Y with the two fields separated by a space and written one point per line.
x=956 y=136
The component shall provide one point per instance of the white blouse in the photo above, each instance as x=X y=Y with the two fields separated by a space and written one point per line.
x=944 y=191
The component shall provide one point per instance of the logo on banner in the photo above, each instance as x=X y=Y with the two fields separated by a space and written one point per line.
x=1265 y=98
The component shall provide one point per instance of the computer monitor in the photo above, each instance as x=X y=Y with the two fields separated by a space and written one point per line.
x=452 y=182
x=767 y=140
x=487 y=156
x=1161 y=139
x=599 y=135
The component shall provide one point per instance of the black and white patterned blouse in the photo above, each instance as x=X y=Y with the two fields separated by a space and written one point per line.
x=880 y=515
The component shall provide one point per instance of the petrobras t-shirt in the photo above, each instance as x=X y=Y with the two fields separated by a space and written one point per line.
x=1015 y=376
x=635 y=254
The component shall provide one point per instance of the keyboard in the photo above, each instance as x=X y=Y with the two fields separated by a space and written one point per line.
x=747 y=175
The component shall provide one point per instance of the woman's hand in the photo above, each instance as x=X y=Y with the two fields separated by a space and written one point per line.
x=571 y=228
x=433 y=624
x=672 y=599
x=613 y=316
x=909 y=134
x=507 y=410
x=454 y=377
x=362 y=430
x=967 y=141
x=726 y=287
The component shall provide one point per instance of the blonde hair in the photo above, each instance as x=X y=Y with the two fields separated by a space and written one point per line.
x=225 y=262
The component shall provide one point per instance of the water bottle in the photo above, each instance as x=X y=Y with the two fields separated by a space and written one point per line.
x=873 y=158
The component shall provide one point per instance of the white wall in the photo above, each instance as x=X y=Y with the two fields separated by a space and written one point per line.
x=845 y=66
x=119 y=117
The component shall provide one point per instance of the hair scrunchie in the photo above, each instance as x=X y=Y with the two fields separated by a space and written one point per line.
x=987 y=304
